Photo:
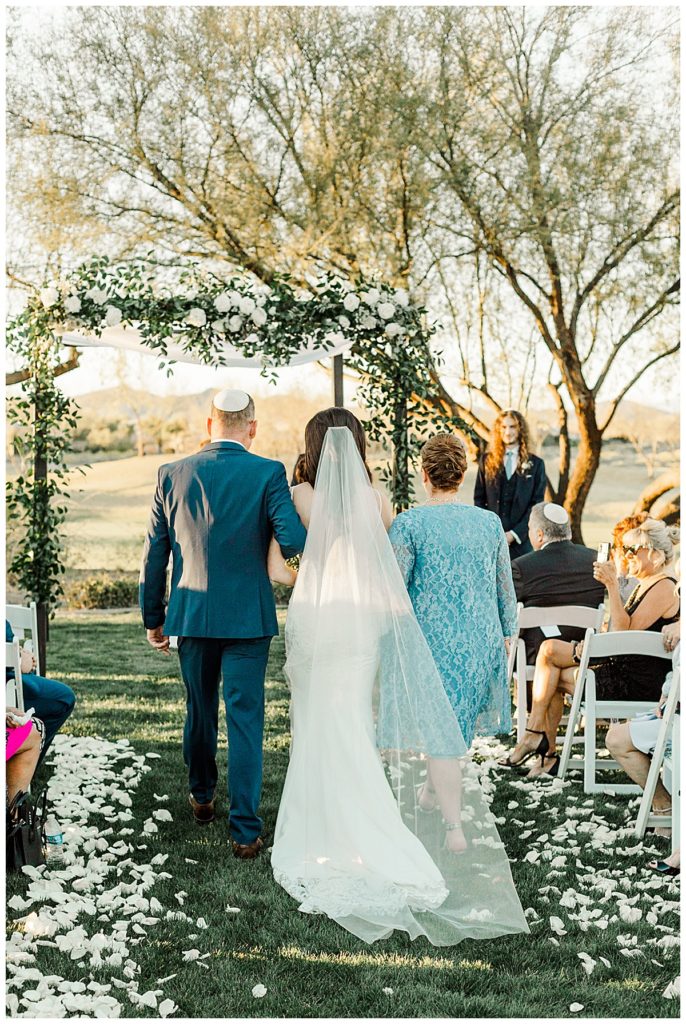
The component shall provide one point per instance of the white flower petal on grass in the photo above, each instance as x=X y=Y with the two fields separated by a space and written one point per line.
x=166 y=1008
x=587 y=962
x=672 y=990
x=667 y=941
x=190 y=954
x=189 y=861
x=162 y=815
x=231 y=910
x=576 y=1007
x=259 y=991
x=181 y=896
x=557 y=926
x=387 y=991
x=161 y=981
x=630 y=914
x=201 y=923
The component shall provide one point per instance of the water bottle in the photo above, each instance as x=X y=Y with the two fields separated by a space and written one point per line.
x=54 y=840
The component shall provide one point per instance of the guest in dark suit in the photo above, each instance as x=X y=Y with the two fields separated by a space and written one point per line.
x=510 y=480
x=556 y=572
x=215 y=512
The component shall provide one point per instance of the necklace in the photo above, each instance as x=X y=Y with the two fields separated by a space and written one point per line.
x=442 y=501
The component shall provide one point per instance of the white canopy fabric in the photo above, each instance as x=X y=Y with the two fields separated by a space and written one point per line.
x=130 y=338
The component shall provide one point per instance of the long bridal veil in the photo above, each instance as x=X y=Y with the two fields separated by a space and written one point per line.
x=371 y=723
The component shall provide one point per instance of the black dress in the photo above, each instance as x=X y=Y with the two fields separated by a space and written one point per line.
x=634 y=676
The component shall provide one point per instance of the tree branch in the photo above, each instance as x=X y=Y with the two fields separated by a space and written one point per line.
x=614 y=405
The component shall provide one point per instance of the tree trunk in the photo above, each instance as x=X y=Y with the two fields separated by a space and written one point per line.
x=401 y=458
x=655 y=489
x=585 y=467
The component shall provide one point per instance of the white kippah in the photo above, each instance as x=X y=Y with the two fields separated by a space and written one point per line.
x=556 y=513
x=231 y=401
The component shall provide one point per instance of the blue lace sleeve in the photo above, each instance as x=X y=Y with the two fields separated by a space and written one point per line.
x=507 y=599
x=401 y=539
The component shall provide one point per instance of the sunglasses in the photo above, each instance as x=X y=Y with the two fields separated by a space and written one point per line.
x=633 y=549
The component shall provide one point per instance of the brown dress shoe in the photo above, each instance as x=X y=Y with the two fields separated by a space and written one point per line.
x=202 y=813
x=247 y=851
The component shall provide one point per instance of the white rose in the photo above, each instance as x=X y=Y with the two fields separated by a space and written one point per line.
x=222 y=302
x=246 y=305
x=401 y=297
x=49 y=297
x=351 y=302
x=113 y=316
x=344 y=285
x=386 y=310
x=372 y=296
x=218 y=326
x=344 y=322
x=253 y=339
x=259 y=317
x=234 y=297
x=392 y=329
x=235 y=323
x=97 y=295
x=261 y=300
x=72 y=304
x=369 y=323
x=196 y=317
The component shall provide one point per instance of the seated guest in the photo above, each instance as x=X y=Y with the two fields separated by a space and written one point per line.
x=53 y=702
x=632 y=743
x=625 y=581
x=651 y=606
x=22 y=751
x=556 y=572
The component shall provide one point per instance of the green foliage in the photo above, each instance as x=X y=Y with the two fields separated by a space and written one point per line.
x=103 y=591
x=390 y=350
x=44 y=419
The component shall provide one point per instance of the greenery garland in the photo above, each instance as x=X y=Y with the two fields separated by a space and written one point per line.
x=390 y=351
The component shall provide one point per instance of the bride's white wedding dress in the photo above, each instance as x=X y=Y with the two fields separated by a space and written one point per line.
x=350 y=840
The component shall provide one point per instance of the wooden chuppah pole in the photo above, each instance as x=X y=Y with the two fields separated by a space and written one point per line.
x=338 y=381
x=40 y=478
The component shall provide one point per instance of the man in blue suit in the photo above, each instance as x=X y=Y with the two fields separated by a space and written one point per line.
x=215 y=513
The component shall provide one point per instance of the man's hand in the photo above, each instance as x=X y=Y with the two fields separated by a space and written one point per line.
x=509 y=537
x=158 y=640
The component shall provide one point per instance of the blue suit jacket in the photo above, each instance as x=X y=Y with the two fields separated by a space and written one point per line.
x=215 y=512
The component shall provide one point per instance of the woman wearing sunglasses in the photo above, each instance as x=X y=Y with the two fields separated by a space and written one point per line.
x=653 y=604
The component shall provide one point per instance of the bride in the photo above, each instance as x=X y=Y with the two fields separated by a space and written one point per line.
x=405 y=841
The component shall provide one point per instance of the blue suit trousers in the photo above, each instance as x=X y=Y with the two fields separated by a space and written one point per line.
x=53 y=702
x=241 y=665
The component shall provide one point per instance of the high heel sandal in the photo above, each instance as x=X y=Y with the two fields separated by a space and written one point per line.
x=546 y=773
x=540 y=751
x=426 y=798
x=454 y=827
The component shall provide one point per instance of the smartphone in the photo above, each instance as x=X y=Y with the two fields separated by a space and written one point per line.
x=603 y=552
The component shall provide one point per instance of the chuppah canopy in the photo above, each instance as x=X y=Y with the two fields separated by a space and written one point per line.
x=130 y=338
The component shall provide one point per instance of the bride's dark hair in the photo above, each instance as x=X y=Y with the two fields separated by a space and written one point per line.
x=315 y=432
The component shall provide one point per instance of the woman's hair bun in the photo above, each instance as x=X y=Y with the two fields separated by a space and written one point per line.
x=445 y=461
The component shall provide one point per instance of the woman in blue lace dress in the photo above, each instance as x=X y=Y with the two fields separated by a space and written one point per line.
x=456 y=565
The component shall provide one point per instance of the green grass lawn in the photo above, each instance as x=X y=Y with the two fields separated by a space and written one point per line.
x=309 y=966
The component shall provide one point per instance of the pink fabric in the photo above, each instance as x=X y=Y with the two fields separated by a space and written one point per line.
x=15 y=738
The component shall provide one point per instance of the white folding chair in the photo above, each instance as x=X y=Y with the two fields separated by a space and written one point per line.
x=531 y=618
x=604 y=645
x=14 y=693
x=24 y=620
x=669 y=729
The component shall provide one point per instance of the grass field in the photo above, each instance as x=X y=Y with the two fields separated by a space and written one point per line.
x=309 y=966
x=109 y=506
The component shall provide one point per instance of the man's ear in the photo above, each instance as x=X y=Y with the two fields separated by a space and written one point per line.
x=209 y=426
x=253 y=428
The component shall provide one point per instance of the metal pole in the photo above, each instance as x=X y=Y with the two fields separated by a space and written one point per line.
x=338 y=381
